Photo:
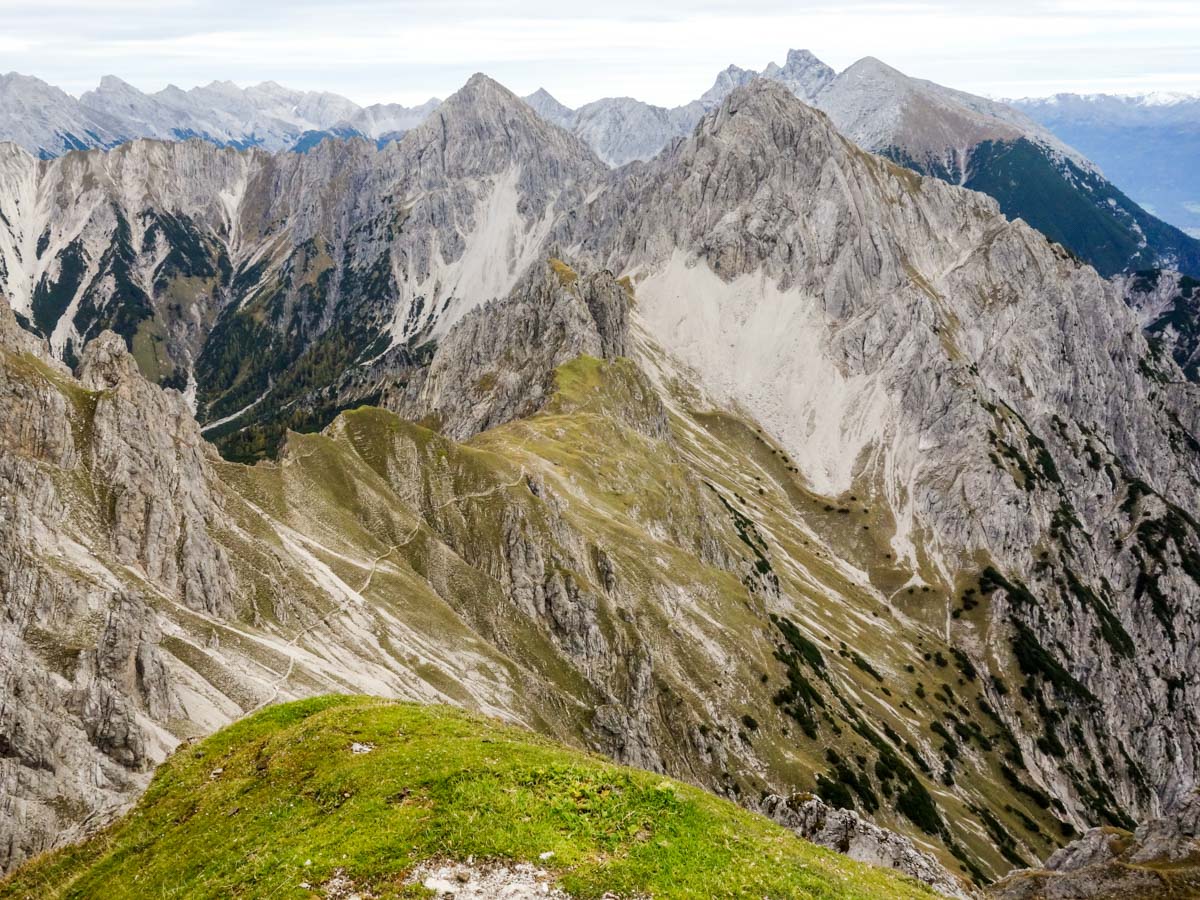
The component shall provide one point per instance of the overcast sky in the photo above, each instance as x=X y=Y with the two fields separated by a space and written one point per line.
x=663 y=51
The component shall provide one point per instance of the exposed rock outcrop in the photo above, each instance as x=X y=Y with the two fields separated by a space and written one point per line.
x=145 y=448
x=1160 y=859
x=893 y=499
x=1168 y=306
x=896 y=334
x=847 y=832
x=498 y=362
x=110 y=471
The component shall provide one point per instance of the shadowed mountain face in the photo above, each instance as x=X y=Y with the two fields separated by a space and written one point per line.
x=767 y=463
x=1168 y=306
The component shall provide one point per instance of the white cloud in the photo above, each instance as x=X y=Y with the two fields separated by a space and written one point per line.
x=666 y=53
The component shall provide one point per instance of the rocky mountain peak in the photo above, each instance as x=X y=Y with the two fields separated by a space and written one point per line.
x=481 y=88
x=15 y=80
x=12 y=335
x=874 y=67
x=223 y=85
x=727 y=79
x=802 y=73
x=485 y=128
x=107 y=363
x=884 y=110
x=548 y=107
x=888 y=338
x=762 y=116
x=763 y=96
x=114 y=83
x=802 y=58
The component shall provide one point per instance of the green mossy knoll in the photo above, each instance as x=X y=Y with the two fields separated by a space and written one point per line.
x=280 y=799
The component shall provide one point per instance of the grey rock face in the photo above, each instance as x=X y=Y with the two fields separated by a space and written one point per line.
x=82 y=670
x=802 y=74
x=47 y=121
x=544 y=104
x=146 y=447
x=367 y=249
x=125 y=628
x=498 y=362
x=622 y=129
x=388 y=120
x=847 y=832
x=961 y=138
x=881 y=108
x=892 y=338
x=920 y=319
x=1168 y=306
x=1159 y=859
x=878 y=107
x=727 y=80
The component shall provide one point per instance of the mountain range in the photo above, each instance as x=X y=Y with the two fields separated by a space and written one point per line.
x=981 y=144
x=767 y=463
x=978 y=143
x=47 y=121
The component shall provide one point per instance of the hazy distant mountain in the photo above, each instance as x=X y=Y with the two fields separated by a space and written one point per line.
x=47 y=122
x=550 y=109
x=1148 y=144
x=381 y=120
x=991 y=147
x=623 y=129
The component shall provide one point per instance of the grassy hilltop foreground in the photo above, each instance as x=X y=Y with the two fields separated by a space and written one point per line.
x=338 y=795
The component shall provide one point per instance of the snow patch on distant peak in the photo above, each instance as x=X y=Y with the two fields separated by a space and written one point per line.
x=1165 y=98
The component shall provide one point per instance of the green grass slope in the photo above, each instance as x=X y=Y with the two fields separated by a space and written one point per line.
x=282 y=800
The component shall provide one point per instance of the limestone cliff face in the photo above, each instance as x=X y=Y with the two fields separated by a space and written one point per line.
x=152 y=592
x=105 y=500
x=847 y=832
x=498 y=362
x=379 y=557
x=145 y=449
x=320 y=262
x=1167 y=304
